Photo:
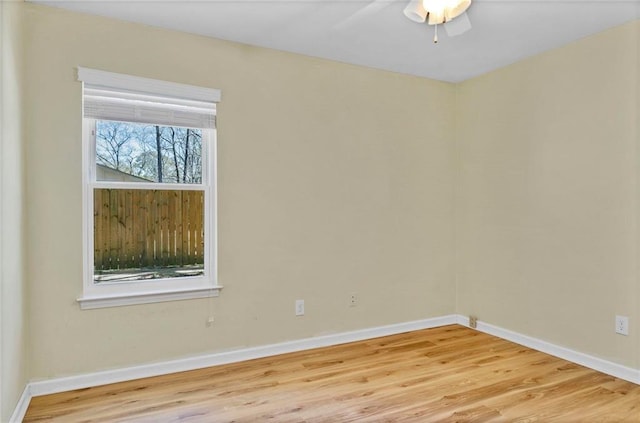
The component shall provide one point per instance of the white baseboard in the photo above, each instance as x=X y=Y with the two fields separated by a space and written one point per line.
x=51 y=386
x=87 y=380
x=595 y=363
x=21 y=407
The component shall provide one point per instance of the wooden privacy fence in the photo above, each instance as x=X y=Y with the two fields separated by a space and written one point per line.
x=147 y=228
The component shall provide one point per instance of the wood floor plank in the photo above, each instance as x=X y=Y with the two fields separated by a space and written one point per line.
x=446 y=374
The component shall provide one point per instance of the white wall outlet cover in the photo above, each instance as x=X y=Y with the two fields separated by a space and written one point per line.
x=622 y=325
x=299 y=307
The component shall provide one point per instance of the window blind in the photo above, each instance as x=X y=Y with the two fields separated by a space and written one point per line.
x=110 y=96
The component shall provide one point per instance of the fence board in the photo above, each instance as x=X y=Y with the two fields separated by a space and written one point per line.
x=164 y=225
x=179 y=233
x=186 y=244
x=147 y=228
x=106 y=216
x=113 y=230
x=97 y=243
x=199 y=240
x=128 y=229
x=122 y=240
x=141 y=228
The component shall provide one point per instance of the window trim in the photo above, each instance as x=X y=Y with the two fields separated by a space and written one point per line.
x=158 y=290
x=147 y=85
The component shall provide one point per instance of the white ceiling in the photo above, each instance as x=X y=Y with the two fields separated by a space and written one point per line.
x=375 y=33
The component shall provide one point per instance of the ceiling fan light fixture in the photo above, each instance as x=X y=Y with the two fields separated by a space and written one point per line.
x=437 y=12
x=436 y=18
x=415 y=11
x=441 y=11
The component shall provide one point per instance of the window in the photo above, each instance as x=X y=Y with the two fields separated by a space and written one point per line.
x=149 y=190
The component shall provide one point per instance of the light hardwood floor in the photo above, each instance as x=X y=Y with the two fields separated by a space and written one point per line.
x=447 y=374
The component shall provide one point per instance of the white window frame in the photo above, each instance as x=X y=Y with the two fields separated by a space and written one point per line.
x=111 y=294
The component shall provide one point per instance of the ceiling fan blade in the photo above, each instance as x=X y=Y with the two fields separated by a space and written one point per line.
x=458 y=26
x=373 y=7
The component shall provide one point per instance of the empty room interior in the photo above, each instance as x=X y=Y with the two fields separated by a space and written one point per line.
x=312 y=212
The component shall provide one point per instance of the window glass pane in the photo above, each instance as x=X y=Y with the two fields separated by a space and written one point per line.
x=147 y=234
x=134 y=152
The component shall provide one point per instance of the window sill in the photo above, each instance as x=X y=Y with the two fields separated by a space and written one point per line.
x=87 y=303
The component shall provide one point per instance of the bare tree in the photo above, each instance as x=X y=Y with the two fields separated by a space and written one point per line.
x=113 y=147
x=159 y=151
x=186 y=157
x=172 y=143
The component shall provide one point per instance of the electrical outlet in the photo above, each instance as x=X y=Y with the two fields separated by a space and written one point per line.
x=473 y=322
x=209 y=321
x=353 y=300
x=622 y=325
x=299 y=307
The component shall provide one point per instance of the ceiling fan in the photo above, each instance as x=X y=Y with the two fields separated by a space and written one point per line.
x=449 y=13
x=441 y=12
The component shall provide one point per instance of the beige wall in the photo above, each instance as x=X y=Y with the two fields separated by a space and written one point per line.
x=547 y=196
x=13 y=296
x=333 y=179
